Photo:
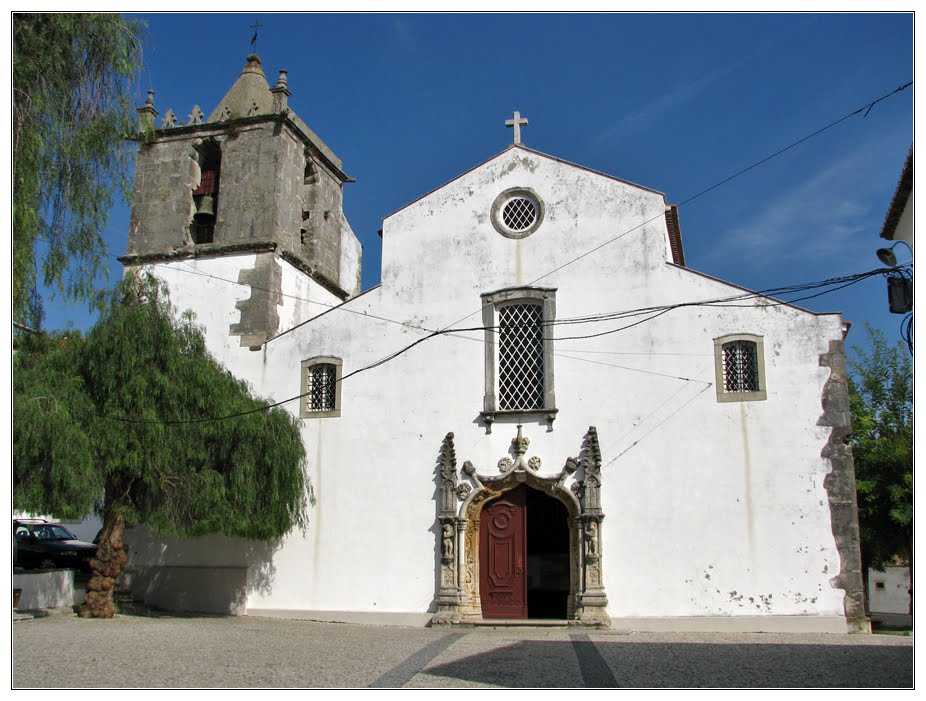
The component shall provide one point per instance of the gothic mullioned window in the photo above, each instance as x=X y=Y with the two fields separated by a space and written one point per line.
x=321 y=392
x=740 y=368
x=206 y=194
x=519 y=353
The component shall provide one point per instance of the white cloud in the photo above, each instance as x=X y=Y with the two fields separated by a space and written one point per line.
x=679 y=94
x=825 y=215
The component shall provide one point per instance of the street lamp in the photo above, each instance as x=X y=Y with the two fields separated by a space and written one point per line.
x=886 y=255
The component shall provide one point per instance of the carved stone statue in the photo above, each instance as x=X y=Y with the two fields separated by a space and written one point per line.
x=447 y=546
x=591 y=539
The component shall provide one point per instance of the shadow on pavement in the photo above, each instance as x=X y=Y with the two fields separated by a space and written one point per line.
x=684 y=665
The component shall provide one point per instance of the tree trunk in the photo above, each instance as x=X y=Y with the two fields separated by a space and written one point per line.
x=106 y=566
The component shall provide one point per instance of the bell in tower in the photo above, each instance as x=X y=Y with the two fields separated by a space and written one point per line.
x=231 y=195
x=202 y=229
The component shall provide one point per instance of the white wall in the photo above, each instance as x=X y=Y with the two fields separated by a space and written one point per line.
x=893 y=596
x=712 y=509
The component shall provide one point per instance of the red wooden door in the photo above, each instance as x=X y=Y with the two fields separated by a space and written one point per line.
x=502 y=557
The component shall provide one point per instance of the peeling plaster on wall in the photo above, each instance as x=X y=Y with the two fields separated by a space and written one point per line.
x=840 y=486
x=670 y=499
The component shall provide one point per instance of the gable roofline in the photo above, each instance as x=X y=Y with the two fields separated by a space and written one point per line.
x=900 y=199
x=778 y=302
x=536 y=153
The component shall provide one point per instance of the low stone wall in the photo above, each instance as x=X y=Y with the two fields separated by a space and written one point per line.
x=47 y=589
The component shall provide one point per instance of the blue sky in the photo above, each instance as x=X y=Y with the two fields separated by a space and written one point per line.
x=672 y=102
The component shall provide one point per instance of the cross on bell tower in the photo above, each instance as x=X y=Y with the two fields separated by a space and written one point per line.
x=517 y=123
x=257 y=26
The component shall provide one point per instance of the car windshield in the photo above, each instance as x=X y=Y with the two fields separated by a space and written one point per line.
x=52 y=532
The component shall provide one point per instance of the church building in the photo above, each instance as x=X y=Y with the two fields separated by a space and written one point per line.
x=540 y=413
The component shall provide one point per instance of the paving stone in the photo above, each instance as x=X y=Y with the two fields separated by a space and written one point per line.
x=216 y=652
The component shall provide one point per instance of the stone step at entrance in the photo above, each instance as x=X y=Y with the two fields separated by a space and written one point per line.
x=532 y=623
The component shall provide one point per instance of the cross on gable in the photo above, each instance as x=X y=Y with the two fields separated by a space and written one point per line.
x=517 y=123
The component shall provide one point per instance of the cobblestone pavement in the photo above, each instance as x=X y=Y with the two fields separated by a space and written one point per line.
x=145 y=652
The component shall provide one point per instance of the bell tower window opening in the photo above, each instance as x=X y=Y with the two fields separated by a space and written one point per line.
x=309 y=181
x=206 y=194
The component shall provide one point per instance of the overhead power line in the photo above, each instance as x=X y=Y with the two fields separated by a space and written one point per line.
x=864 y=110
x=835 y=283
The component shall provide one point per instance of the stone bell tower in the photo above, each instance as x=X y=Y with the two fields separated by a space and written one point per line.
x=251 y=183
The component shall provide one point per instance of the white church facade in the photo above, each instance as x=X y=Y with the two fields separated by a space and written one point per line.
x=536 y=414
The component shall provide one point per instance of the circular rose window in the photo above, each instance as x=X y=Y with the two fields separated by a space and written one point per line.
x=517 y=213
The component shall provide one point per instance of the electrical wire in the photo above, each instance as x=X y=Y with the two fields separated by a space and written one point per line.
x=446 y=330
x=636 y=442
x=330 y=307
x=906 y=331
x=864 y=108
x=451 y=332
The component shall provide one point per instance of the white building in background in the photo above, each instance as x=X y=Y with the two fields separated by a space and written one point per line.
x=578 y=442
x=889 y=594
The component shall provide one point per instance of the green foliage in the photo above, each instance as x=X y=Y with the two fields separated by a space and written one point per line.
x=71 y=115
x=54 y=469
x=881 y=401
x=113 y=425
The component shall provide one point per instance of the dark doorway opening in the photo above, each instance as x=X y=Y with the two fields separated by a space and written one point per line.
x=524 y=556
x=547 y=556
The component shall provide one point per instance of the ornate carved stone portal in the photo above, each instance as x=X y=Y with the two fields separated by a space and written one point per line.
x=460 y=503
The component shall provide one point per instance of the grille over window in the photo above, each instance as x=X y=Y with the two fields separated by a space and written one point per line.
x=322 y=387
x=520 y=357
x=740 y=367
x=519 y=214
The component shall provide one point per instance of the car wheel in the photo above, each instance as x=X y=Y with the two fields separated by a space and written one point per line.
x=47 y=563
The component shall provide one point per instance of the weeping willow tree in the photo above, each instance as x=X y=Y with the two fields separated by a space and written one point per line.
x=72 y=112
x=123 y=424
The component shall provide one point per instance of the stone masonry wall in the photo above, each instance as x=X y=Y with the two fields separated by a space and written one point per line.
x=840 y=486
x=264 y=196
x=165 y=174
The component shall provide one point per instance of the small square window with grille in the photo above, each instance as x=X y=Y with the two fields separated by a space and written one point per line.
x=740 y=367
x=322 y=387
x=520 y=357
